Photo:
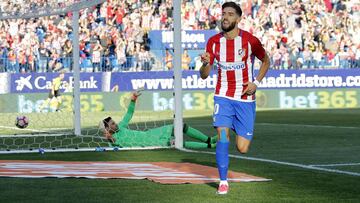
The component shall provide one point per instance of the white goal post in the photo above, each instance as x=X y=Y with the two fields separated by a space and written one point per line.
x=74 y=6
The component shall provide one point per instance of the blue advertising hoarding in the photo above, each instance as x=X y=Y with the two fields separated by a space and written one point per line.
x=284 y=79
x=163 y=80
x=41 y=82
x=191 y=39
x=290 y=79
x=160 y=80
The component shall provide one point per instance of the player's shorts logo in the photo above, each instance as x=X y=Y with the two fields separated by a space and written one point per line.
x=216 y=108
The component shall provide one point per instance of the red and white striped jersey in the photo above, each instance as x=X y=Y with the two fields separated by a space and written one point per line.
x=235 y=58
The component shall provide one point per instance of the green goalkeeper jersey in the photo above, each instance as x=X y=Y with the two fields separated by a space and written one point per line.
x=125 y=137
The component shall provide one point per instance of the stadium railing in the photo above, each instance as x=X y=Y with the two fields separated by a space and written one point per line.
x=86 y=65
x=134 y=64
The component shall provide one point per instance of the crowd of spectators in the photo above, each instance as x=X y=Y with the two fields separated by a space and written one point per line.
x=114 y=35
x=20 y=7
x=307 y=33
x=111 y=35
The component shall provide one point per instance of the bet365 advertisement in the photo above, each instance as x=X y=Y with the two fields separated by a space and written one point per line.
x=292 y=89
x=192 y=100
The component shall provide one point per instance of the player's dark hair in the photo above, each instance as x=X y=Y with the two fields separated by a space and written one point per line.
x=234 y=6
x=106 y=121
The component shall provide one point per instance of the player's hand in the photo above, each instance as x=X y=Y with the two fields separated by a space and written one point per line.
x=137 y=93
x=205 y=58
x=250 y=88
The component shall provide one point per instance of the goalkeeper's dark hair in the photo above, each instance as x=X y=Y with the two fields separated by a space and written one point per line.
x=106 y=122
x=234 y=6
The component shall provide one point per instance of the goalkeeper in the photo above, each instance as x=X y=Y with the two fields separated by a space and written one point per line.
x=119 y=135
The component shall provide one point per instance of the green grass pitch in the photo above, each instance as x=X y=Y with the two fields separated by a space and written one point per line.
x=304 y=137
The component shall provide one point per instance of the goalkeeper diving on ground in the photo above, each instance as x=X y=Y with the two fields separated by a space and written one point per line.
x=119 y=135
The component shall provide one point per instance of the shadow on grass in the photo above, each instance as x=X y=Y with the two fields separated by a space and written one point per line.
x=213 y=185
x=205 y=163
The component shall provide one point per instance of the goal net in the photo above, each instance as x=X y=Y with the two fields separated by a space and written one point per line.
x=26 y=84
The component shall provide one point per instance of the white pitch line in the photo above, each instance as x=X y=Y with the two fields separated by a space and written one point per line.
x=280 y=163
x=312 y=126
x=34 y=135
x=82 y=150
x=31 y=129
x=344 y=164
x=300 y=125
x=24 y=129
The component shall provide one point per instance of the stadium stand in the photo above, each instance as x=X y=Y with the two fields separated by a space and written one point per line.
x=301 y=34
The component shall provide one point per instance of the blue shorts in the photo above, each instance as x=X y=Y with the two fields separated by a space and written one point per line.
x=236 y=115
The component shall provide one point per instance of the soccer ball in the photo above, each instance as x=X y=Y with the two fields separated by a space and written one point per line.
x=22 y=121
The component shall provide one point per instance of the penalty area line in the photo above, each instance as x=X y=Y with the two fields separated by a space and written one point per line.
x=31 y=129
x=311 y=126
x=41 y=132
x=299 y=125
x=310 y=167
x=22 y=129
x=330 y=165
